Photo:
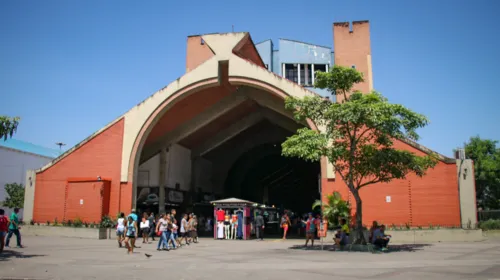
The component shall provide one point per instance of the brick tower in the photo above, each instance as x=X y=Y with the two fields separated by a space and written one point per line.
x=352 y=48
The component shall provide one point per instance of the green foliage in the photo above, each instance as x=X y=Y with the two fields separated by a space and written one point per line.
x=490 y=224
x=106 y=222
x=15 y=196
x=357 y=136
x=8 y=126
x=339 y=80
x=334 y=208
x=486 y=157
x=77 y=222
x=56 y=223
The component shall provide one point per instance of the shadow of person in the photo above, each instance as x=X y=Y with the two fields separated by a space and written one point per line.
x=9 y=254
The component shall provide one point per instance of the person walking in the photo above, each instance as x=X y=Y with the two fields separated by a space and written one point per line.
x=285 y=223
x=170 y=232
x=311 y=225
x=152 y=226
x=161 y=231
x=120 y=229
x=184 y=232
x=259 y=226
x=4 y=227
x=145 y=228
x=194 y=229
x=14 y=229
x=130 y=234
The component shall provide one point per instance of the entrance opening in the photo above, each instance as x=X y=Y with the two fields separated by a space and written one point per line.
x=225 y=142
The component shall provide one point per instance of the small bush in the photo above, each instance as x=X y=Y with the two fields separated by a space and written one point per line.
x=490 y=224
x=32 y=223
x=69 y=223
x=78 y=222
x=56 y=223
x=48 y=223
x=106 y=222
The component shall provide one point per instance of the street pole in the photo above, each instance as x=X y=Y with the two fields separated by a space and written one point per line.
x=60 y=144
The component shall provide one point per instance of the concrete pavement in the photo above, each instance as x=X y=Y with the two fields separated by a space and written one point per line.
x=66 y=258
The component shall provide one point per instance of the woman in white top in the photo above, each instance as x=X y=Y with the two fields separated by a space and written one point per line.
x=161 y=231
x=120 y=229
x=145 y=228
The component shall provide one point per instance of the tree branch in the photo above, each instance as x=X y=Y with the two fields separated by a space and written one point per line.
x=376 y=181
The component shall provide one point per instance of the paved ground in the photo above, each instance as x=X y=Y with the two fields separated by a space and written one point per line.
x=65 y=258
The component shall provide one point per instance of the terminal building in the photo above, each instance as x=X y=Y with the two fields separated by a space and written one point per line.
x=216 y=132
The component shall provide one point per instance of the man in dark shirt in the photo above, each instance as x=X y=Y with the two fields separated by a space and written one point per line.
x=259 y=226
x=152 y=225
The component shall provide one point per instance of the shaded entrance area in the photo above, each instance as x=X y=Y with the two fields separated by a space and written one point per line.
x=223 y=142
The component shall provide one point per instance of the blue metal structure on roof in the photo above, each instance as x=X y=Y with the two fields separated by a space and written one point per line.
x=26 y=147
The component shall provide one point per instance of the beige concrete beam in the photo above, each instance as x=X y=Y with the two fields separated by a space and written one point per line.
x=227 y=134
x=202 y=119
x=280 y=120
x=268 y=101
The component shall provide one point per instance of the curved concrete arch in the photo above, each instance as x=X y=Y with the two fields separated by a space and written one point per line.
x=156 y=114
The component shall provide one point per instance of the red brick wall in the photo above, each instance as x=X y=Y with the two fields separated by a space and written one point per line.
x=353 y=48
x=196 y=52
x=432 y=199
x=92 y=194
x=100 y=156
x=246 y=50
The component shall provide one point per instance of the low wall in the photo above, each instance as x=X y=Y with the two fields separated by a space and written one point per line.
x=430 y=236
x=491 y=233
x=87 y=233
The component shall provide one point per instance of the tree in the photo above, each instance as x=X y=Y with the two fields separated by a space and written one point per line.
x=357 y=136
x=486 y=157
x=8 y=126
x=15 y=196
x=334 y=208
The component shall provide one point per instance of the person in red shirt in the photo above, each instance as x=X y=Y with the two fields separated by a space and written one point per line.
x=311 y=225
x=4 y=226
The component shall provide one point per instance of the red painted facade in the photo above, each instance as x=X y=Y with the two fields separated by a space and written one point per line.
x=433 y=199
x=430 y=200
x=100 y=156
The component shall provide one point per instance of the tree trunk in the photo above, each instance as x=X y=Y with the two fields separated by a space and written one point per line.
x=359 y=237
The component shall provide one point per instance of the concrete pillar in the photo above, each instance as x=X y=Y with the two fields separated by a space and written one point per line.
x=283 y=70
x=312 y=76
x=298 y=73
x=163 y=179
x=29 y=195
x=467 y=193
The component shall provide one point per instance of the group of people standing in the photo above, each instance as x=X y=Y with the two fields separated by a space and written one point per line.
x=9 y=227
x=165 y=226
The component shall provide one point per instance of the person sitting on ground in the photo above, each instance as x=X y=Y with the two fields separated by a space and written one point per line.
x=379 y=239
x=372 y=229
x=342 y=235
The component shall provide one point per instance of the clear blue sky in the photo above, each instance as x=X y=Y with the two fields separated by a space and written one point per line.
x=70 y=67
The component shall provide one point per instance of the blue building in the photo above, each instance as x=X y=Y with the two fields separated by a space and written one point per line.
x=297 y=61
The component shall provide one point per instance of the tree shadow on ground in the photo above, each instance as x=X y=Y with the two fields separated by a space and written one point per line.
x=392 y=248
x=8 y=254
